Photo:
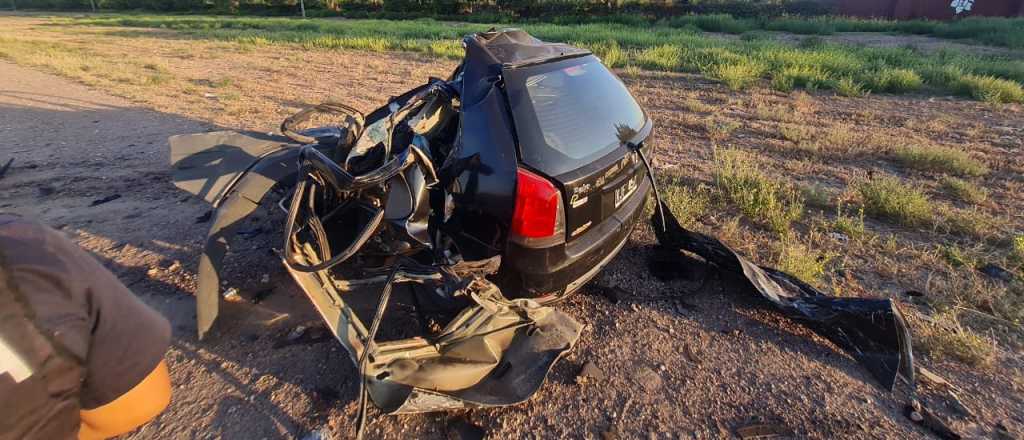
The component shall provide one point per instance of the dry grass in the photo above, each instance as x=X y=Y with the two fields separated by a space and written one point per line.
x=945 y=337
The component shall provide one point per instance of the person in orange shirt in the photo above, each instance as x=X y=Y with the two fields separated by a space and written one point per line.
x=80 y=355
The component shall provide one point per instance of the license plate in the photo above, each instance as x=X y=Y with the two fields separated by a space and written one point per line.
x=627 y=189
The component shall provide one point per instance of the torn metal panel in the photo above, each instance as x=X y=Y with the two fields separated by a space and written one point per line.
x=872 y=330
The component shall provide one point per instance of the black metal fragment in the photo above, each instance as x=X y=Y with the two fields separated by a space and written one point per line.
x=997 y=272
x=7 y=166
x=872 y=330
x=106 y=199
x=205 y=217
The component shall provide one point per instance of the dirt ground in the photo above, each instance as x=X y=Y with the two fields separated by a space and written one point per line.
x=74 y=144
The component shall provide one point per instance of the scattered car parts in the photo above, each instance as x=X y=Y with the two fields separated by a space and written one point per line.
x=478 y=200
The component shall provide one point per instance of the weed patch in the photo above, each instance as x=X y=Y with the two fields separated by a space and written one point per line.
x=964 y=190
x=946 y=338
x=893 y=199
x=669 y=45
x=798 y=260
x=761 y=199
x=935 y=158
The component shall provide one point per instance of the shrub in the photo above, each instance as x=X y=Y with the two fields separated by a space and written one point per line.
x=893 y=199
x=940 y=159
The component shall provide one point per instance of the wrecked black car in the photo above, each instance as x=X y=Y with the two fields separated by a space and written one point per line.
x=493 y=192
x=476 y=202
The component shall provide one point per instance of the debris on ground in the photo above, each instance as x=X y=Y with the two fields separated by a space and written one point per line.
x=205 y=217
x=920 y=415
x=323 y=433
x=649 y=379
x=997 y=272
x=303 y=335
x=1005 y=431
x=231 y=295
x=460 y=428
x=613 y=294
x=763 y=431
x=691 y=354
x=45 y=190
x=7 y=166
x=296 y=333
x=588 y=372
x=873 y=331
x=106 y=199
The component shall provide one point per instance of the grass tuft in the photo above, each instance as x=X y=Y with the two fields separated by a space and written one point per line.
x=849 y=225
x=894 y=80
x=763 y=200
x=989 y=89
x=935 y=158
x=945 y=337
x=738 y=76
x=664 y=57
x=964 y=190
x=798 y=260
x=893 y=199
x=850 y=88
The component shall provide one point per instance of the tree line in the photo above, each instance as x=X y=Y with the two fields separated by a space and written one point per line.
x=477 y=10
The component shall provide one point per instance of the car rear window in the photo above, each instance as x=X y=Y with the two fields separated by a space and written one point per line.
x=570 y=113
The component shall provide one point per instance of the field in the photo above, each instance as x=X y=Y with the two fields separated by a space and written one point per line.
x=887 y=170
x=675 y=45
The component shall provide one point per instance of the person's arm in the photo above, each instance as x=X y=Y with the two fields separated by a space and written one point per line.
x=134 y=408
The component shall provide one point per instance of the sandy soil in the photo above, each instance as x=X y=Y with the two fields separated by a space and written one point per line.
x=73 y=144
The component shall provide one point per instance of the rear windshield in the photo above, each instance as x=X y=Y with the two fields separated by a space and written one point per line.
x=570 y=113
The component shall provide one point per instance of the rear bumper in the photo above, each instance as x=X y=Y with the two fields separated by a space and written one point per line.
x=550 y=273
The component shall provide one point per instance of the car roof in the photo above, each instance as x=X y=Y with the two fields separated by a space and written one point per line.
x=514 y=48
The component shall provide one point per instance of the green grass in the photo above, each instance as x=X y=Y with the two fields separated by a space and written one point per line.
x=964 y=190
x=1006 y=32
x=989 y=89
x=665 y=46
x=849 y=225
x=763 y=200
x=894 y=199
x=687 y=203
x=799 y=260
x=934 y=158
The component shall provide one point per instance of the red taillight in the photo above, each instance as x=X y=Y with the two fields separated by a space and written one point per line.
x=538 y=212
